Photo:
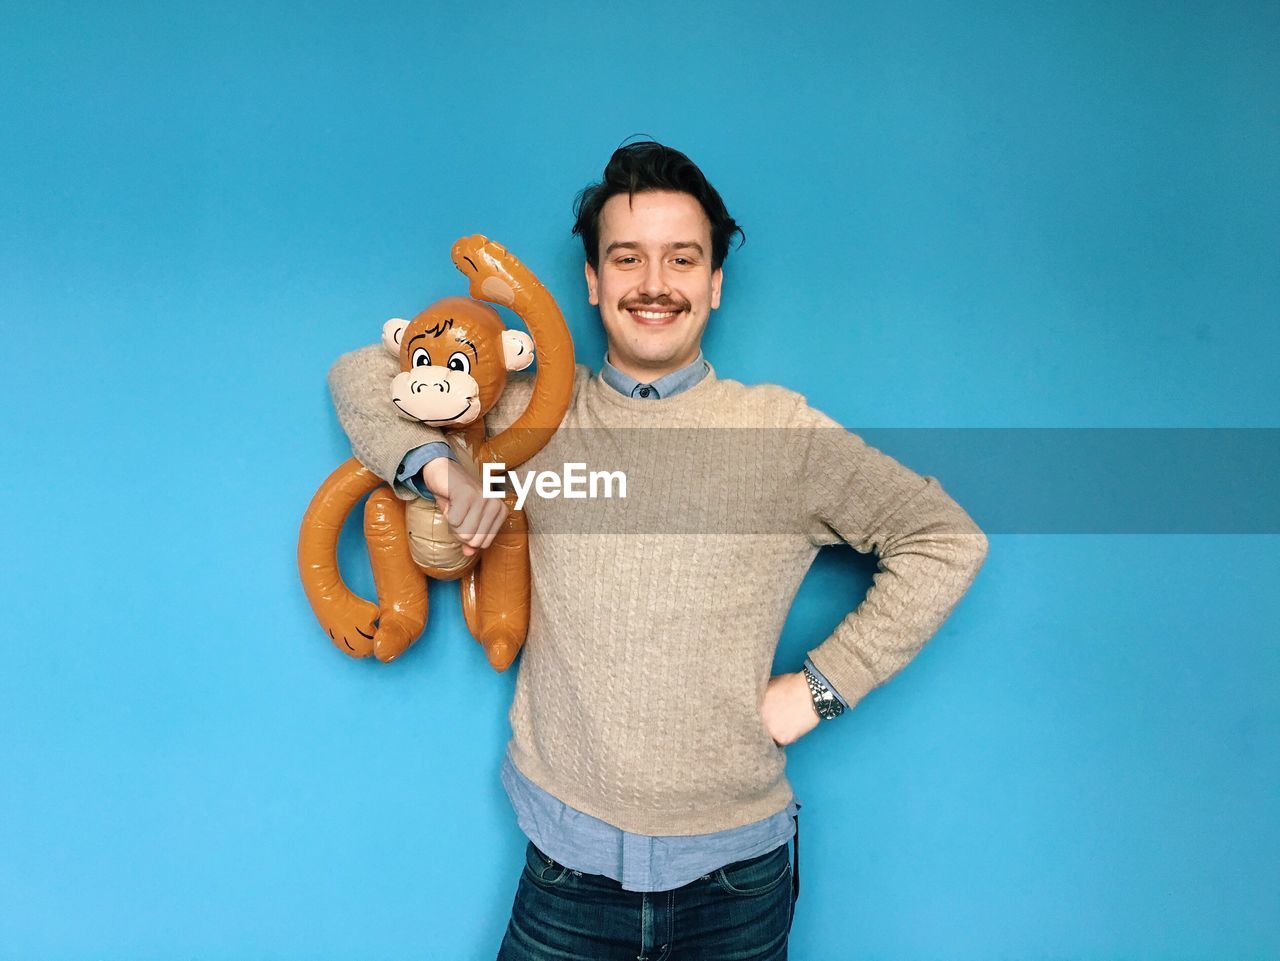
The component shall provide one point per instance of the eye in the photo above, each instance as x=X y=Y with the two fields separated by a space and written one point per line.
x=421 y=358
x=460 y=361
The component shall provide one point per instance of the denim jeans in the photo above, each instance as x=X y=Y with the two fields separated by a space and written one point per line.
x=741 y=911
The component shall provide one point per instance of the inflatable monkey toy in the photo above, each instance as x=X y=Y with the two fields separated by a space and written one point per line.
x=454 y=360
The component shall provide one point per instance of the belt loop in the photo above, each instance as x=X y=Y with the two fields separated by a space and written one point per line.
x=795 y=870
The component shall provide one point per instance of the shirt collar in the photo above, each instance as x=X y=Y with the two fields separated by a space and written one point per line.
x=668 y=385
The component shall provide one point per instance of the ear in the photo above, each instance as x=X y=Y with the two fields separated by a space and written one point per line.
x=392 y=331
x=717 y=278
x=517 y=348
x=593 y=285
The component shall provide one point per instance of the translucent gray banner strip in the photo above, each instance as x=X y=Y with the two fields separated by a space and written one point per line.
x=1100 y=480
x=697 y=480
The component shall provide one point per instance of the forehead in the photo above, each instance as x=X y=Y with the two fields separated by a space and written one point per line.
x=453 y=320
x=654 y=217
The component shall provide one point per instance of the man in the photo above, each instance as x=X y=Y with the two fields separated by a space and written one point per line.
x=645 y=763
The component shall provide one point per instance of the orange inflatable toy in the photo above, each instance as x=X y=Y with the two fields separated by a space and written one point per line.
x=454 y=361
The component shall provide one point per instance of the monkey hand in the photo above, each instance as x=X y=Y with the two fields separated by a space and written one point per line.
x=495 y=274
x=473 y=518
x=353 y=631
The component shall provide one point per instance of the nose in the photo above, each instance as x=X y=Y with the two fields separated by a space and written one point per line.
x=438 y=383
x=654 y=281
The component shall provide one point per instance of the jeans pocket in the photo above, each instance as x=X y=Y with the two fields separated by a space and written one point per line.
x=756 y=876
x=541 y=869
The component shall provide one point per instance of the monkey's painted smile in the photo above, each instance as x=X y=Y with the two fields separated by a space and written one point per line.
x=436 y=420
x=458 y=416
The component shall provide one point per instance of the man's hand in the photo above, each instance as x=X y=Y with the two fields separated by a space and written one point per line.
x=788 y=712
x=473 y=518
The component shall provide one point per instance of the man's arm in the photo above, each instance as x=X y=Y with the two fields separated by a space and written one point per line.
x=360 y=383
x=381 y=439
x=929 y=552
x=410 y=471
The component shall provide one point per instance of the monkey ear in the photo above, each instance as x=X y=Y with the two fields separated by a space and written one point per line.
x=518 y=348
x=392 y=331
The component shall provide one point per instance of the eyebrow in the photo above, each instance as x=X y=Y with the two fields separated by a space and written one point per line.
x=632 y=245
x=434 y=331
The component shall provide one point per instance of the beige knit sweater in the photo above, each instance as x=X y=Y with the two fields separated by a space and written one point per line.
x=655 y=618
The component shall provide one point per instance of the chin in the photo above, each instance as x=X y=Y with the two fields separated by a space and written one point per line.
x=658 y=346
x=658 y=359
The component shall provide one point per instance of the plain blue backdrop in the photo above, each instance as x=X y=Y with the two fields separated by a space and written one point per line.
x=961 y=215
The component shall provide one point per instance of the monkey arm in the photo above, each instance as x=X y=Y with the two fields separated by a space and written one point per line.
x=552 y=389
x=380 y=437
x=499 y=277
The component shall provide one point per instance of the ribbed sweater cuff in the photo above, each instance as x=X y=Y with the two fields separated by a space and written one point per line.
x=846 y=675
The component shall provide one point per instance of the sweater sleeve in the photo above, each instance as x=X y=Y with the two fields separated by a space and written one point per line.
x=928 y=551
x=380 y=437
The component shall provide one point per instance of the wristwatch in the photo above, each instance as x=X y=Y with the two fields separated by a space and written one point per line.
x=825 y=701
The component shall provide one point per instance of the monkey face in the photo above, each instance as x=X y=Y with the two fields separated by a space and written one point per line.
x=454 y=358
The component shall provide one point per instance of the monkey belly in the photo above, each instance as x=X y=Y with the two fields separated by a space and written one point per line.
x=431 y=544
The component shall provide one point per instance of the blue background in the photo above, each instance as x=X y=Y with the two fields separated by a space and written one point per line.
x=958 y=215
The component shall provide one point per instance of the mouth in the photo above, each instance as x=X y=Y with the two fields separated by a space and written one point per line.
x=444 y=420
x=654 y=316
x=435 y=420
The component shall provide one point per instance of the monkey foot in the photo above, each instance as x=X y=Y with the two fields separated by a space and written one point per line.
x=501 y=653
x=393 y=639
x=354 y=635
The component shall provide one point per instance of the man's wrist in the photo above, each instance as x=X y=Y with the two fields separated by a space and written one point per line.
x=826 y=702
x=435 y=473
x=412 y=469
x=813 y=669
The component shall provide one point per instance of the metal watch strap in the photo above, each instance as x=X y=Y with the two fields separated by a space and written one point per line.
x=825 y=702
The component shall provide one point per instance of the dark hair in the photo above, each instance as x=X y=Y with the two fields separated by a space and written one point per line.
x=637 y=167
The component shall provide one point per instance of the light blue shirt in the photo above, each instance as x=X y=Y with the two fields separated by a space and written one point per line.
x=667 y=385
x=581 y=842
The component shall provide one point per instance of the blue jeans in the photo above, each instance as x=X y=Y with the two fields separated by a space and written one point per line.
x=741 y=911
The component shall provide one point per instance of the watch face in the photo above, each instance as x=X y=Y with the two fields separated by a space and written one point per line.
x=828 y=706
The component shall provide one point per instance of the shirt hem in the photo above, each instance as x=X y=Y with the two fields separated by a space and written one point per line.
x=653 y=822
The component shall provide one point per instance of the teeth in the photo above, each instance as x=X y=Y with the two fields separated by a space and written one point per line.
x=654 y=315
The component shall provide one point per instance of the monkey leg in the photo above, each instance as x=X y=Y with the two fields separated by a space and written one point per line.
x=348 y=619
x=402 y=587
x=495 y=595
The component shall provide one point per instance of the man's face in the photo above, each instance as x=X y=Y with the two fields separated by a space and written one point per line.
x=655 y=287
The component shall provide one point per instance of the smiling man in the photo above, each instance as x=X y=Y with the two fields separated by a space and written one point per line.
x=655 y=280
x=646 y=761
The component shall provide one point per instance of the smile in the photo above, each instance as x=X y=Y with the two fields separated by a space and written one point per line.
x=434 y=420
x=438 y=420
x=653 y=316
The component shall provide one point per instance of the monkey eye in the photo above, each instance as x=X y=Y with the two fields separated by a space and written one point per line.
x=421 y=358
x=460 y=361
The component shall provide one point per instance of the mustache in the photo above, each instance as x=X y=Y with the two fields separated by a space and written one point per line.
x=663 y=303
